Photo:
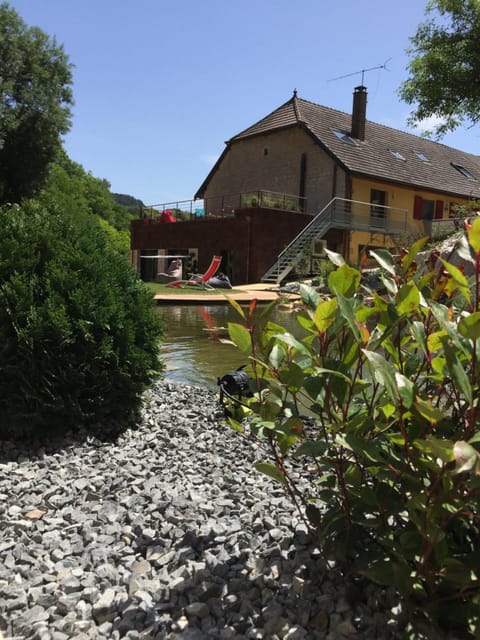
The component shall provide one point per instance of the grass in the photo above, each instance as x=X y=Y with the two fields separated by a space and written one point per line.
x=163 y=289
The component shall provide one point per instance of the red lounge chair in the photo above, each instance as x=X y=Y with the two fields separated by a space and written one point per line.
x=198 y=280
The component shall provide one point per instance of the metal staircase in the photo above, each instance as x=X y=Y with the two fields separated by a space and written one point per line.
x=293 y=253
x=340 y=214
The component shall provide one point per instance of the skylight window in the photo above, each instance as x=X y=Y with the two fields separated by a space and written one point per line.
x=465 y=172
x=421 y=156
x=397 y=155
x=344 y=137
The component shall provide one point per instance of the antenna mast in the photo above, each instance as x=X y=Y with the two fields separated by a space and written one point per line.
x=362 y=71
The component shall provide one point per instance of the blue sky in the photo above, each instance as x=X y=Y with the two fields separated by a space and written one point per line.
x=159 y=85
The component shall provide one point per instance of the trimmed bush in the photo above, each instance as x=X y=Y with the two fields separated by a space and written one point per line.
x=79 y=336
x=390 y=453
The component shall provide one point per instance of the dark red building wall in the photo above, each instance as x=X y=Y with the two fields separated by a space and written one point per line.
x=252 y=237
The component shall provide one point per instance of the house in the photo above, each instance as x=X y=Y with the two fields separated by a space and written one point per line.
x=307 y=175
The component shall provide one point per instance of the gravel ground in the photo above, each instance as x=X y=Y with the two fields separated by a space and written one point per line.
x=165 y=533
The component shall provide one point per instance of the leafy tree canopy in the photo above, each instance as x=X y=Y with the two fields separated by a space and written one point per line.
x=445 y=65
x=134 y=204
x=76 y=192
x=35 y=99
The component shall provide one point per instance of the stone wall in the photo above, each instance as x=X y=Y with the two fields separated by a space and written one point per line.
x=272 y=162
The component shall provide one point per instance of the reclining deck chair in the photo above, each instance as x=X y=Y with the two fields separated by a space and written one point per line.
x=198 y=280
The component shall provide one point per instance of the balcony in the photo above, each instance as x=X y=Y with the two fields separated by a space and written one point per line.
x=364 y=216
x=224 y=206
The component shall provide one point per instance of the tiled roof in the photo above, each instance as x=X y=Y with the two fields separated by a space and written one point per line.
x=373 y=156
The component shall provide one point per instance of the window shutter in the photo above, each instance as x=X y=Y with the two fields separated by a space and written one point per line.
x=438 y=209
x=417 y=208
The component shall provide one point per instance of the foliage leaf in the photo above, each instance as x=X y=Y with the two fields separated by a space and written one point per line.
x=236 y=426
x=277 y=355
x=406 y=389
x=334 y=257
x=240 y=336
x=389 y=573
x=473 y=235
x=413 y=251
x=383 y=372
x=292 y=376
x=408 y=299
x=469 y=326
x=237 y=307
x=310 y=297
x=457 y=371
x=291 y=341
x=344 y=281
x=270 y=470
x=460 y=280
x=347 y=309
x=325 y=314
x=427 y=410
x=385 y=259
x=314 y=448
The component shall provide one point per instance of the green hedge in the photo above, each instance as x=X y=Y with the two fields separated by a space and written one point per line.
x=79 y=335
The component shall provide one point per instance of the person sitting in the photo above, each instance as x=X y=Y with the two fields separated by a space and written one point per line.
x=174 y=272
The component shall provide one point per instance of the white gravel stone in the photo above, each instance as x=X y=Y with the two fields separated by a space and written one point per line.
x=166 y=532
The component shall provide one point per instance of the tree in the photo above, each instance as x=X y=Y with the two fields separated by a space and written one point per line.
x=445 y=65
x=74 y=190
x=79 y=332
x=35 y=99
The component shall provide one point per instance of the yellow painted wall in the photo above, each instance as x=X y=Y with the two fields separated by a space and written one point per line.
x=399 y=198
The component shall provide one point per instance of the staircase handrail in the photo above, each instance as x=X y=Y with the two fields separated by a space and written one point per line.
x=315 y=219
x=374 y=219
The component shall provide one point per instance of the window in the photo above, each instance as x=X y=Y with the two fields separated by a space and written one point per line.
x=427 y=209
x=463 y=171
x=378 y=200
x=421 y=156
x=303 y=178
x=397 y=154
x=344 y=137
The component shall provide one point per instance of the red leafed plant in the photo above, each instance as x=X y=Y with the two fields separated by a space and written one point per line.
x=390 y=453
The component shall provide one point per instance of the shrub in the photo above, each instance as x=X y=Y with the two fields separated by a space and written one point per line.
x=78 y=332
x=390 y=454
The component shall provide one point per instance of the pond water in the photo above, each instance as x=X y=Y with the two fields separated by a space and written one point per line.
x=196 y=349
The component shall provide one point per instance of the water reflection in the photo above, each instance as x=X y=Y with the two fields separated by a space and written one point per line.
x=196 y=349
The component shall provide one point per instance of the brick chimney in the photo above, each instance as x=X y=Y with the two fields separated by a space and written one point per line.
x=359 y=112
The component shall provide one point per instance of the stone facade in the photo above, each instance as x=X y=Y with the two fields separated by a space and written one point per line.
x=273 y=162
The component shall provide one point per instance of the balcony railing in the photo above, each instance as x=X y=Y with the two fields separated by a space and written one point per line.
x=365 y=216
x=343 y=213
x=180 y=209
x=225 y=205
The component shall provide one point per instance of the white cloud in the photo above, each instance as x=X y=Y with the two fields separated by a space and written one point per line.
x=430 y=124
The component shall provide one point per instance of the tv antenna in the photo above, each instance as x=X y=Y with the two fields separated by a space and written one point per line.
x=362 y=71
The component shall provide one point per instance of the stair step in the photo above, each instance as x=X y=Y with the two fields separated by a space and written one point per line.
x=294 y=252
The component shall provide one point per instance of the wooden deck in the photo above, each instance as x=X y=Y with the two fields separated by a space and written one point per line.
x=243 y=293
